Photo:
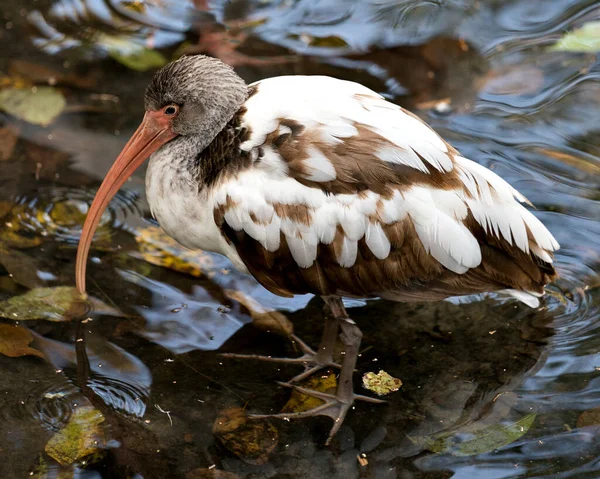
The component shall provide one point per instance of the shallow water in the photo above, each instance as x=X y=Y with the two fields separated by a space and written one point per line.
x=530 y=114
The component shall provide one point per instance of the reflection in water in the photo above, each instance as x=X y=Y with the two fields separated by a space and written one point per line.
x=528 y=113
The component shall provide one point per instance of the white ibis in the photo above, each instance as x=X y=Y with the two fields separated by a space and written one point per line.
x=318 y=185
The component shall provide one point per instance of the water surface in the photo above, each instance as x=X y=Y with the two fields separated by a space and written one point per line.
x=480 y=72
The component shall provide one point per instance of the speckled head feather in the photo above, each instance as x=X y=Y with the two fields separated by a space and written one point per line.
x=207 y=91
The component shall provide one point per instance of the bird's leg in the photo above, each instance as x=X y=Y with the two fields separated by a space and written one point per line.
x=336 y=406
x=311 y=360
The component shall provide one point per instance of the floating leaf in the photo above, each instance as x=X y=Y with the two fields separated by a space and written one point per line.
x=264 y=319
x=80 y=438
x=584 y=39
x=8 y=141
x=323 y=42
x=37 y=105
x=140 y=60
x=60 y=303
x=14 y=342
x=476 y=441
x=299 y=402
x=381 y=383
x=252 y=440
x=162 y=250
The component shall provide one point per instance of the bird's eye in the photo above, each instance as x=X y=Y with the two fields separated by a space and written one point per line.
x=171 y=110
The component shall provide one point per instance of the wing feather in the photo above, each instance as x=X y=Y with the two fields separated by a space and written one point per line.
x=354 y=195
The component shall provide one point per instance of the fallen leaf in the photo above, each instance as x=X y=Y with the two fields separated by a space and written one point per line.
x=130 y=53
x=323 y=42
x=264 y=319
x=22 y=268
x=299 y=402
x=158 y=248
x=80 y=438
x=14 y=342
x=141 y=60
x=5 y=208
x=381 y=383
x=205 y=473
x=136 y=6
x=252 y=440
x=36 y=73
x=591 y=417
x=514 y=80
x=59 y=303
x=8 y=141
x=37 y=105
x=470 y=441
x=583 y=39
x=582 y=164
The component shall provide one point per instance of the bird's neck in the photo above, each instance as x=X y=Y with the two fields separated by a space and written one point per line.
x=195 y=160
x=222 y=156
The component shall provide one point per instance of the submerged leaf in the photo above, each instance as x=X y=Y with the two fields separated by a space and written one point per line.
x=22 y=268
x=583 y=39
x=299 y=402
x=80 y=438
x=162 y=250
x=264 y=319
x=381 y=383
x=323 y=42
x=14 y=342
x=60 y=303
x=591 y=417
x=8 y=141
x=470 y=441
x=37 y=105
x=252 y=440
x=205 y=473
x=5 y=208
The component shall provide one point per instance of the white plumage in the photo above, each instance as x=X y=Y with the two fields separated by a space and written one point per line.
x=332 y=113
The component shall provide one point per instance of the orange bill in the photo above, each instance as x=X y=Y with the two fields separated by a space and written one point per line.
x=154 y=131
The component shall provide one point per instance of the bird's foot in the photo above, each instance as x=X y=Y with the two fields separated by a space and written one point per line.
x=310 y=359
x=334 y=406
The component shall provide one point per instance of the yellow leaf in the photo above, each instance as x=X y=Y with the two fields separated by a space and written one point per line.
x=299 y=402
x=584 y=39
x=267 y=320
x=80 y=438
x=252 y=440
x=381 y=383
x=37 y=105
x=162 y=250
x=14 y=342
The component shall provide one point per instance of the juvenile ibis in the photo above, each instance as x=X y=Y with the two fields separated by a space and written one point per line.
x=317 y=185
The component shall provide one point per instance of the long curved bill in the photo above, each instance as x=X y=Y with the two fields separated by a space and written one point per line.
x=153 y=132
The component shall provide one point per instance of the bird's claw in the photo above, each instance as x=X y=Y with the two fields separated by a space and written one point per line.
x=334 y=407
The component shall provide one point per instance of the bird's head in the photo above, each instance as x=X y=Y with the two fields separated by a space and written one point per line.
x=195 y=95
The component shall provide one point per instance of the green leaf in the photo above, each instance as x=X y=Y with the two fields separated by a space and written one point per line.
x=130 y=53
x=140 y=60
x=60 y=303
x=37 y=105
x=477 y=441
x=584 y=39
x=80 y=438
